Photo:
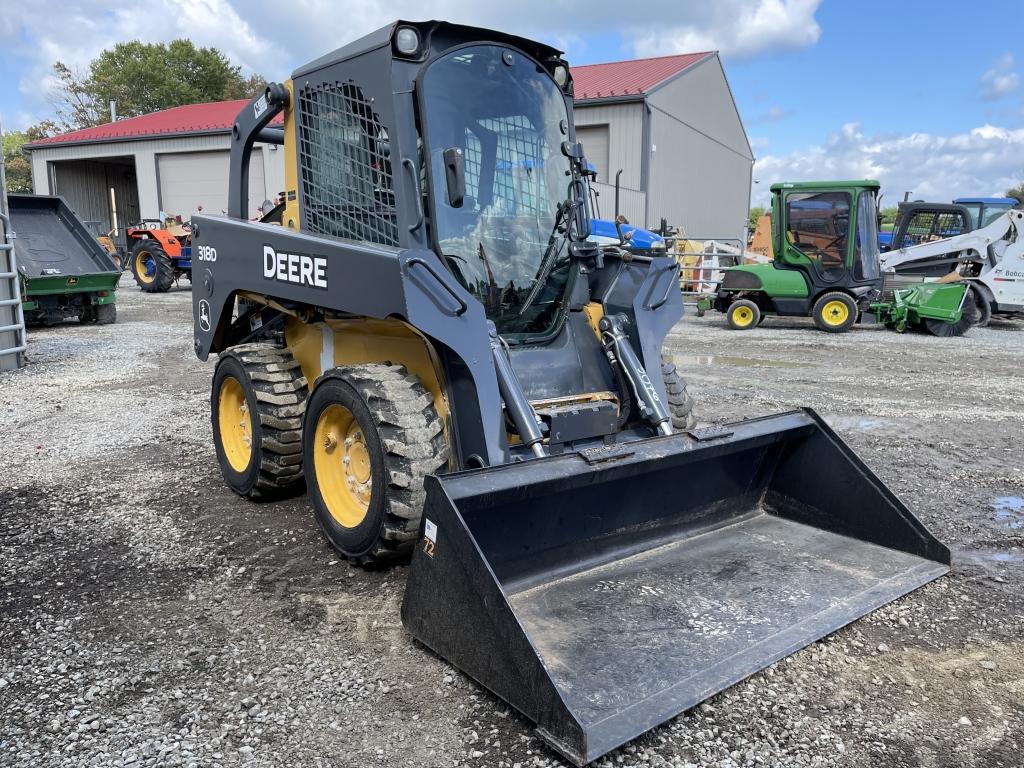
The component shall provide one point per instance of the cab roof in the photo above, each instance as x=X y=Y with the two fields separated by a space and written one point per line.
x=861 y=183
x=382 y=37
x=988 y=200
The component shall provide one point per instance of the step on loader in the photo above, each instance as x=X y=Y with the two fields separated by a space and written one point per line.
x=432 y=347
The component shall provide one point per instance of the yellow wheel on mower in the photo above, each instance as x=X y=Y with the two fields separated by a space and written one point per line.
x=341 y=461
x=743 y=315
x=835 y=312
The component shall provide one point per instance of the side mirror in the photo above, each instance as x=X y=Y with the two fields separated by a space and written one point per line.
x=455 y=176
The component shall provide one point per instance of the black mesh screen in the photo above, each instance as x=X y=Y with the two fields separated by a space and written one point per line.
x=346 y=183
x=929 y=226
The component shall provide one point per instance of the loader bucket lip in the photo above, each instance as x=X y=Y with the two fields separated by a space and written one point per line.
x=514 y=599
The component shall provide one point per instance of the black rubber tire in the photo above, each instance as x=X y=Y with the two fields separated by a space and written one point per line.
x=743 y=304
x=405 y=440
x=983 y=306
x=825 y=298
x=680 y=404
x=968 y=318
x=106 y=314
x=164 y=270
x=275 y=392
x=88 y=314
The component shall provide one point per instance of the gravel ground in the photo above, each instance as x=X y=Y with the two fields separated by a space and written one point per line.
x=150 y=617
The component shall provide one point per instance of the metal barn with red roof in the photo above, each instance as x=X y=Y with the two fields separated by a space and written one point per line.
x=669 y=123
x=172 y=162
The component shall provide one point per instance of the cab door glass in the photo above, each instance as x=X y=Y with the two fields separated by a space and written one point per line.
x=866 y=246
x=817 y=225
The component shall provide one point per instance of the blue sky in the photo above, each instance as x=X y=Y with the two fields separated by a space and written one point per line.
x=925 y=96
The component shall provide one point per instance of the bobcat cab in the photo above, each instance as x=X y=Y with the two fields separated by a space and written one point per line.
x=826 y=266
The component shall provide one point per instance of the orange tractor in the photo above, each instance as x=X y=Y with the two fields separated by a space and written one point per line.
x=159 y=253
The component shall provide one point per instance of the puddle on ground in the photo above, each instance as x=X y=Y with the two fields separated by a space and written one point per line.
x=856 y=422
x=737 y=362
x=991 y=557
x=1009 y=511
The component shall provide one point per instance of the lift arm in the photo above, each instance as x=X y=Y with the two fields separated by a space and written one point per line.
x=989 y=244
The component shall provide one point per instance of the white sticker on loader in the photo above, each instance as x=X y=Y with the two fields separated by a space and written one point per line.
x=429 y=537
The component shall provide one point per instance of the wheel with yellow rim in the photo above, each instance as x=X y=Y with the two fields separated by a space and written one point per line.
x=743 y=314
x=257 y=402
x=151 y=267
x=370 y=436
x=835 y=312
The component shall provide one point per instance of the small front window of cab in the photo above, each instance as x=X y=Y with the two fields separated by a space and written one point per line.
x=817 y=224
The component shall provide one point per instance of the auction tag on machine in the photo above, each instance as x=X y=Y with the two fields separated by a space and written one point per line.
x=429 y=537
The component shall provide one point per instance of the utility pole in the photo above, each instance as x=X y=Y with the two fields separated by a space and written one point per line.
x=3 y=174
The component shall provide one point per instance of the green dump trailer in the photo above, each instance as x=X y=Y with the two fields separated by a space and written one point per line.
x=64 y=271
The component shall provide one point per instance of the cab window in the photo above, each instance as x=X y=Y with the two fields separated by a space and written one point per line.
x=818 y=225
x=993 y=212
x=866 y=245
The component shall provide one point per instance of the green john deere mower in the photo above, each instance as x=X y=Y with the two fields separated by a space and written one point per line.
x=826 y=266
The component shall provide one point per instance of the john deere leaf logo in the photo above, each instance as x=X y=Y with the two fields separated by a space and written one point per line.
x=72 y=281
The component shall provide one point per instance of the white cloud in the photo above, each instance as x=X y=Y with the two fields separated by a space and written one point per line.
x=984 y=161
x=272 y=39
x=53 y=30
x=1000 y=79
x=740 y=28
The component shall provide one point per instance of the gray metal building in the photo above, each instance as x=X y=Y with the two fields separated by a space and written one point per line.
x=671 y=125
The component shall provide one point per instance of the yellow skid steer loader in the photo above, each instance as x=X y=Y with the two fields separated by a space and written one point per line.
x=430 y=344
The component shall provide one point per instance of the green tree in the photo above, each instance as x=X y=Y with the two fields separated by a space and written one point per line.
x=16 y=160
x=1017 y=191
x=145 y=77
x=755 y=213
x=889 y=217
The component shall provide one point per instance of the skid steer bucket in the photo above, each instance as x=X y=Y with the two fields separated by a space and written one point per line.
x=603 y=592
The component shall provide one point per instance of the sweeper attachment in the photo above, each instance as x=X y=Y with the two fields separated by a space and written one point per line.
x=430 y=344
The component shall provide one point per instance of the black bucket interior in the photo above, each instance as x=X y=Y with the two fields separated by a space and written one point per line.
x=647 y=583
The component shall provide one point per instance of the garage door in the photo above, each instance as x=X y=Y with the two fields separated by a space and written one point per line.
x=198 y=181
x=595 y=146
